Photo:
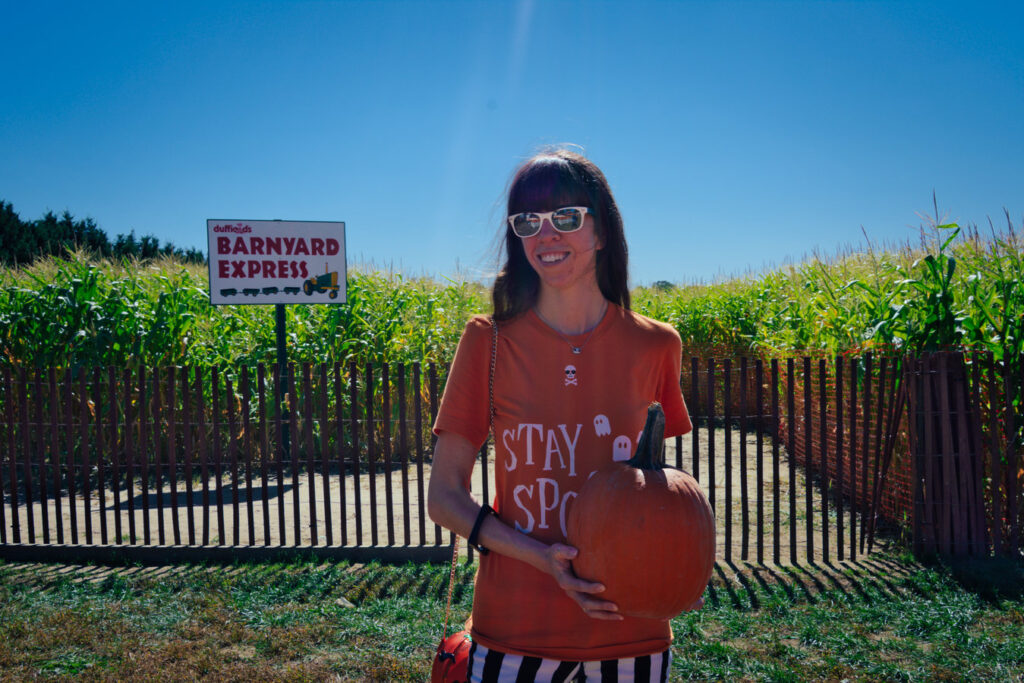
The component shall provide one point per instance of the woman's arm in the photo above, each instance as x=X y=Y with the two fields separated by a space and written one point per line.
x=450 y=504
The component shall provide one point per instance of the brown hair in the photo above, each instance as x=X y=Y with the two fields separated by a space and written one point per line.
x=549 y=180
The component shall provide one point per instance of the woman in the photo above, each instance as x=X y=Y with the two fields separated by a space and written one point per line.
x=575 y=372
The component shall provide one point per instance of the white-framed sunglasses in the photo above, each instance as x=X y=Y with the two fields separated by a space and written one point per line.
x=565 y=219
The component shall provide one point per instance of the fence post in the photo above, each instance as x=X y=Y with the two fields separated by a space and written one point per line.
x=776 y=488
x=218 y=460
x=307 y=428
x=40 y=448
x=353 y=397
x=403 y=447
x=949 y=514
x=824 y=471
x=325 y=454
x=791 y=452
x=9 y=416
x=982 y=544
x=339 y=440
x=187 y=417
x=371 y=452
x=172 y=452
x=759 y=455
x=247 y=446
x=744 y=493
x=727 y=418
x=1012 y=480
x=808 y=457
x=204 y=457
x=389 y=500
x=55 y=453
x=711 y=434
x=158 y=450
x=293 y=454
x=26 y=455
x=417 y=407
x=695 y=412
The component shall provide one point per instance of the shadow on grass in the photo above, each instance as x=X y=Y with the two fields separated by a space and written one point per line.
x=992 y=579
x=746 y=585
x=741 y=586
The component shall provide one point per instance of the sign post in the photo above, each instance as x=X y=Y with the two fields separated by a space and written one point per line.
x=280 y=375
x=277 y=262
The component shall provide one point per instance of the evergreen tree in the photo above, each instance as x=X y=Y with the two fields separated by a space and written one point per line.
x=13 y=235
x=22 y=241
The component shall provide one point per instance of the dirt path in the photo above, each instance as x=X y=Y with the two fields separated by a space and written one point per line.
x=375 y=515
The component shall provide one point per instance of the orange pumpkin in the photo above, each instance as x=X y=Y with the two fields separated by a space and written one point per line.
x=644 y=530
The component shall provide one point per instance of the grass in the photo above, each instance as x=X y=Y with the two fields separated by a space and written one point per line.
x=253 y=622
x=885 y=618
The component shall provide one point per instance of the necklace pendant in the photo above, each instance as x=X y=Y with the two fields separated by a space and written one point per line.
x=576 y=349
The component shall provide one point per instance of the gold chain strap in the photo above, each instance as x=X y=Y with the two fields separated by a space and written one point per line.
x=455 y=545
x=490 y=383
x=451 y=584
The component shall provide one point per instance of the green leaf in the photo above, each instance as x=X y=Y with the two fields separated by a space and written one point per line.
x=956 y=231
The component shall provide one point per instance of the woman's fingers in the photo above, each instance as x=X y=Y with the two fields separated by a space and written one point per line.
x=595 y=608
x=561 y=558
x=582 y=591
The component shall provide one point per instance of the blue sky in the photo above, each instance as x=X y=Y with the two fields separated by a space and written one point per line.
x=735 y=135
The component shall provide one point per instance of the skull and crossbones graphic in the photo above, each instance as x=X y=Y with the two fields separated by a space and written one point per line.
x=570 y=375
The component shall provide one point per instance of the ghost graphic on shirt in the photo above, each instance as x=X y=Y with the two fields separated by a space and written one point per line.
x=621 y=448
x=601 y=426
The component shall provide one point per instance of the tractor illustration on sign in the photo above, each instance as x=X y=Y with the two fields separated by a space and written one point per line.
x=328 y=282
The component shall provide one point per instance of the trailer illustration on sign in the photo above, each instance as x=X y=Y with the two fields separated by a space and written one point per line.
x=271 y=262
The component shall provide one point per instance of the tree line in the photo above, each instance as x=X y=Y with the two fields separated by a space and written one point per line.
x=23 y=241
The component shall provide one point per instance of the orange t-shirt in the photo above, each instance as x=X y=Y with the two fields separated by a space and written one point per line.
x=559 y=417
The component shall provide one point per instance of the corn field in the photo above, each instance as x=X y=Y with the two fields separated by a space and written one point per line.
x=95 y=313
x=956 y=288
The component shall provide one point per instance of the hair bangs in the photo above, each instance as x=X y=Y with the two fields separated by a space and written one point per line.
x=545 y=184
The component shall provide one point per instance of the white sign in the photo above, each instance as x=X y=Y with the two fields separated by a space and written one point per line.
x=276 y=262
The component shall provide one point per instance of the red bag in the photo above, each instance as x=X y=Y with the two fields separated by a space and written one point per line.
x=452 y=659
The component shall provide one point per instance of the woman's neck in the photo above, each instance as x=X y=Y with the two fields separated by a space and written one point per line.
x=571 y=311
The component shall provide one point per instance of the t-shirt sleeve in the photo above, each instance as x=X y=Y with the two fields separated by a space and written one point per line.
x=465 y=403
x=677 y=418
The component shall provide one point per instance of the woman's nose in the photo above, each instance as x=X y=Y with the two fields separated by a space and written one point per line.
x=547 y=228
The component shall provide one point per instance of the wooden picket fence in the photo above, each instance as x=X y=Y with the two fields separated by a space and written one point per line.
x=332 y=460
x=966 y=435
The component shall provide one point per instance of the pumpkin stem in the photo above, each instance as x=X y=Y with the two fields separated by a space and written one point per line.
x=650 y=450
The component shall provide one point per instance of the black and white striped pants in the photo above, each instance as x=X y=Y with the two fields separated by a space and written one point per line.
x=491 y=666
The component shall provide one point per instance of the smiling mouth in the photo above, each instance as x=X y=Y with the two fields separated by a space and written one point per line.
x=554 y=257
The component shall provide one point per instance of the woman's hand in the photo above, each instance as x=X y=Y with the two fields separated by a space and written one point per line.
x=557 y=563
x=558 y=557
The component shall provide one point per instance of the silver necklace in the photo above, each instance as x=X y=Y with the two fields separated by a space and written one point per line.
x=577 y=349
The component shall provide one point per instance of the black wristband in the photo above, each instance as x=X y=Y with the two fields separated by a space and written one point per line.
x=475 y=533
